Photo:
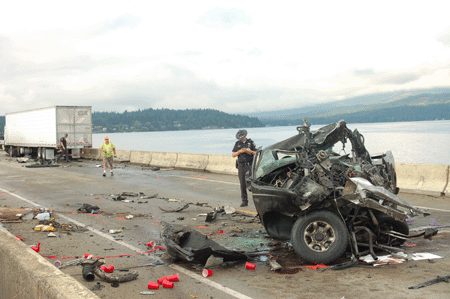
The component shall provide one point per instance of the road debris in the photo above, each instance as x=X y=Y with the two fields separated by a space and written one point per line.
x=87 y=208
x=390 y=259
x=115 y=231
x=274 y=266
x=44 y=228
x=424 y=256
x=175 y=210
x=207 y=272
x=189 y=245
x=431 y=282
x=43 y=216
x=167 y=284
x=213 y=261
x=97 y=287
x=210 y=217
x=36 y=248
x=91 y=267
x=153 y=285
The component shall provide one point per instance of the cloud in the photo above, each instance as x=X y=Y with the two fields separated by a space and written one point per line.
x=399 y=78
x=224 y=18
x=444 y=37
x=364 y=72
x=255 y=52
x=125 y=20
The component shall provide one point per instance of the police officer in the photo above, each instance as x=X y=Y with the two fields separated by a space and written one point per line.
x=244 y=149
x=64 y=150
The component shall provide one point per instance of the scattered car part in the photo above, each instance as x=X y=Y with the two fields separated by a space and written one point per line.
x=115 y=278
x=87 y=208
x=431 y=282
x=175 y=210
x=189 y=245
x=211 y=216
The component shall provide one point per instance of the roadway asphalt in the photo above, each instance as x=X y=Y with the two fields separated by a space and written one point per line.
x=64 y=189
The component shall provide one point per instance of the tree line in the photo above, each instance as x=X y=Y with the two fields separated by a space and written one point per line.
x=170 y=120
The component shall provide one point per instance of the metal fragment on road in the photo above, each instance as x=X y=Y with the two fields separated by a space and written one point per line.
x=431 y=282
x=175 y=210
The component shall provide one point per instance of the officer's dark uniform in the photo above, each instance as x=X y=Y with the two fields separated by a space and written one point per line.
x=244 y=165
x=64 y=151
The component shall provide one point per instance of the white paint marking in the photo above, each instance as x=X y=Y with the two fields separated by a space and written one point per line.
x=433 y=209
x=173 y=266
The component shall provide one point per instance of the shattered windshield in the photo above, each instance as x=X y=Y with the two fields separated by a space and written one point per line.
x=271 y=160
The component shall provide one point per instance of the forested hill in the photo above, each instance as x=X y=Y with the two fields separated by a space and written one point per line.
x=169 y=120
x=413 y=108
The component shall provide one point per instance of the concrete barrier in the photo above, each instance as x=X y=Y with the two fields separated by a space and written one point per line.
x=140 y=157
x=162 y=159
x=222 y=164
x=91 y=153
x=122 y=156
x=424 y=177
x=192 y=161
x=26 y=274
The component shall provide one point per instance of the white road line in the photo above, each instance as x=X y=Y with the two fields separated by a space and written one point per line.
x=173 y=266
x=433 y=209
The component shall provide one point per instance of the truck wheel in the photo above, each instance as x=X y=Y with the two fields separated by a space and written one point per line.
x=14 y=152
x=386 y=224
x=319 y=237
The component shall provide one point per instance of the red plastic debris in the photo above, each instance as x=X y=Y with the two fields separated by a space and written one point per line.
x=167 y=284
x=19 y=238
x=314 y=267
x=153 y=285
x=36 y=248
x=174 y=277
x=160 y=281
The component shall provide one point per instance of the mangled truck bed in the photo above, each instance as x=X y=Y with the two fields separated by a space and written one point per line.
x=321 y=189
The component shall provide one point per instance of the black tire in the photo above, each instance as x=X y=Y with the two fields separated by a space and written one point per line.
x=14 y=152
x=387 y=223
x=319 y=237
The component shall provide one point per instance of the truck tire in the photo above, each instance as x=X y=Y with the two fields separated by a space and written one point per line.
x=14 y=151
x=319 y=237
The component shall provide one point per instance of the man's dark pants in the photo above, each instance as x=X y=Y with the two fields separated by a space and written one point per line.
x=64 y=152
x=242 y=170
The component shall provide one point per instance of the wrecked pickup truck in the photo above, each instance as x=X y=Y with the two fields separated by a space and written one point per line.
x=308 y=189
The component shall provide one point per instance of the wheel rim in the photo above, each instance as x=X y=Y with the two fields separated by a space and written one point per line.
x=319 y=236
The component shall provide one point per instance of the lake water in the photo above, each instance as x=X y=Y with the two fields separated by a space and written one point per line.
x=424 y=142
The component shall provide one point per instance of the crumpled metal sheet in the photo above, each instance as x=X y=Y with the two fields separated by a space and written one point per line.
x=187 y=244
x=362 y=191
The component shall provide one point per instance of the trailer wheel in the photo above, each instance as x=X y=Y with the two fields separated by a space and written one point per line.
x=14 y=151
x=319 y=237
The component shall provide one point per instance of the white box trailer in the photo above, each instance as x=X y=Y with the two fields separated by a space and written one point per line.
x=38 y=132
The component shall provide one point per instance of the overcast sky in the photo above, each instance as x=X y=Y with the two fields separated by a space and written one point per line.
x=234 y=56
